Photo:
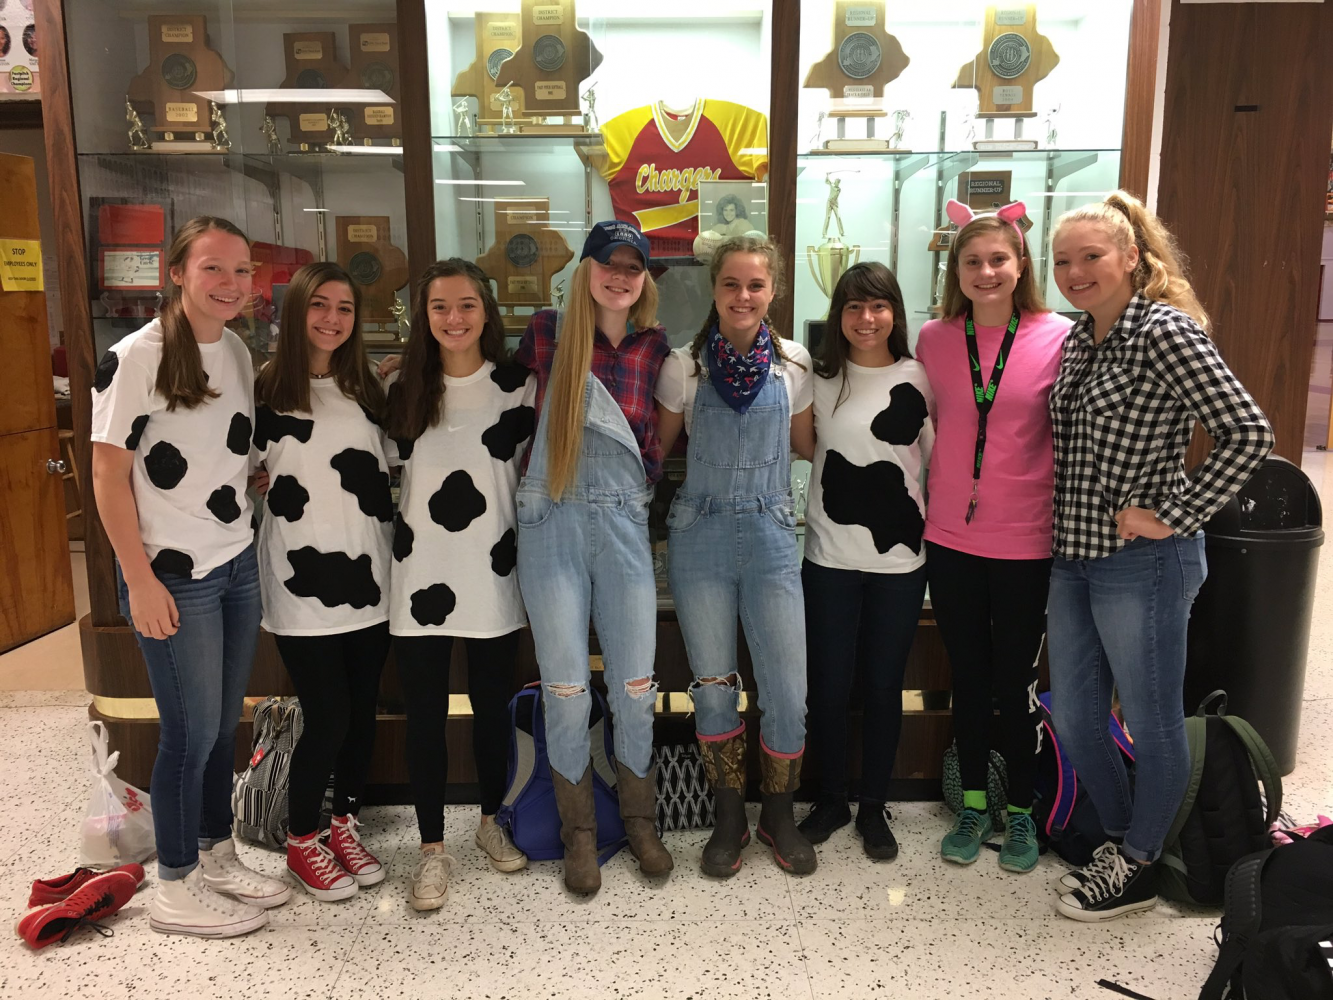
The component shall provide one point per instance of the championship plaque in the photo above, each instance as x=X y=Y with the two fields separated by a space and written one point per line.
x=863 y=60
x=312 y=64
x=983 y=191
x=180 y=66
x=550 y=64
x=374 y=50
x=377 y=266
x=498 y=37
x=1014 y=56
x=526 y=255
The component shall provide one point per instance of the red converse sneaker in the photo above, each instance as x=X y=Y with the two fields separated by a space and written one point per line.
x=53 y=890
x=96 y=899
x=314 y=867
x=348 y=851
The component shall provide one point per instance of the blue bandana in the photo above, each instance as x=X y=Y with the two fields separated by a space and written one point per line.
x=738 y=378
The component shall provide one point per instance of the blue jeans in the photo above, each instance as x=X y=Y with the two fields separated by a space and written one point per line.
x=1121 y=620
x=199 y=676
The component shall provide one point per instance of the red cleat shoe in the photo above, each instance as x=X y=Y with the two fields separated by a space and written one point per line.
x=98 y=898
x=53 y=890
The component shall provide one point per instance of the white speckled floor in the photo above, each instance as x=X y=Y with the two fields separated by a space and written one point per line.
x=913 y=927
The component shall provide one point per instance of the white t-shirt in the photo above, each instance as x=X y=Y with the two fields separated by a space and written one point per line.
x=455 y=543
x=190 y=465
x=866 y=511
x=328 y=516
x=677 y=383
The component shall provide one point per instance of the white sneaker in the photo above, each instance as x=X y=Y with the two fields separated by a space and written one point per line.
x=492 y=838
x=189 y=906
x=430 y=880
x=223 y=872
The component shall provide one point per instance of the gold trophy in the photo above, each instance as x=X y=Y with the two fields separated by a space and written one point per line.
x=831 y=258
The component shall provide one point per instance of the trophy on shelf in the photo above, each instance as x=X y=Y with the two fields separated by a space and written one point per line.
x=341 y=128
x=1014 y=57
x=552 y=60
x=526 y=255
x=1052 y=133
x=558 y=294
x=863 y=60
x=899 y=125
x=590 y=119
x=312 y=64
x=270 y=132
x=462 y=118
x=181 y=69
x=374 y=50
x=377 y=266
x=498 y=36
x=831 y=258
x=221 y=141
x=400 y=317
x=138 y=137
x=506 y=111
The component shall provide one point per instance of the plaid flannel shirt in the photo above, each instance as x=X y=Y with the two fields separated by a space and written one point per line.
x=1123 y=413
x=629 y=373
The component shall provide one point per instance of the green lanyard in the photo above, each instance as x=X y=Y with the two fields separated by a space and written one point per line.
x=985 y=395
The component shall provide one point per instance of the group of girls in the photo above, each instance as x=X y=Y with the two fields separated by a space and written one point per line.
x=525 y=491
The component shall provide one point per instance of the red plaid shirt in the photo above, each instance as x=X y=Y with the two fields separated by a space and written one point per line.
x=629 y=373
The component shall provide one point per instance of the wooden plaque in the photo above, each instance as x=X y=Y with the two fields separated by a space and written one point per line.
x=180 y=64
x=526 y=255
x=377 y=266
x=1014 y=56
x=374 y=49
x=863 y=60
x=498 y=38
x=552 y=61
x=312 y=64
x=982 y=191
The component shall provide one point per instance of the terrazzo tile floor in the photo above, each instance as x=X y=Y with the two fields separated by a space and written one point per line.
x=915 y=927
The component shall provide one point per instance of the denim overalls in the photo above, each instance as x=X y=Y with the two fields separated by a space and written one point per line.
x=590 y=552
x=733 y=552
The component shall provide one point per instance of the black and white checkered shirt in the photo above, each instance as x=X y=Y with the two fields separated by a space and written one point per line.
x=1123 y=413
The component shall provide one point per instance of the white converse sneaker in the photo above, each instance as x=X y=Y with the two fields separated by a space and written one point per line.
x=189 y=906
x=492 y=838
x=430 y=880
x=223 y=872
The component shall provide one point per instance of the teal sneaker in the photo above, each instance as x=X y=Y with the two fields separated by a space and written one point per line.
x=962 y=844
x=1019 y=853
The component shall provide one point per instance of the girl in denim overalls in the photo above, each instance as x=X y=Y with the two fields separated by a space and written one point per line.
x=746 y=398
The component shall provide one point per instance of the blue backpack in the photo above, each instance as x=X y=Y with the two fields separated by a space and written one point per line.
x=528 y=808
x=1065 y=816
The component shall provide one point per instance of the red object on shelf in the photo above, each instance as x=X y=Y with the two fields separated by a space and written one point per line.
x=275 y=265
x=59 y=365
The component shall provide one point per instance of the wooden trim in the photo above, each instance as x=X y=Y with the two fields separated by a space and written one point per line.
x=1140 y=96
x=20 y=114
x=418 y=148
x=785 y=93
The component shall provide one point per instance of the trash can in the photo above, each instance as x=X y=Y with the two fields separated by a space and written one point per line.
x=1250 y=628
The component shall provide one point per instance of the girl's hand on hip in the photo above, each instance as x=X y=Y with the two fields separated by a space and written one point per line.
x=1133 y=522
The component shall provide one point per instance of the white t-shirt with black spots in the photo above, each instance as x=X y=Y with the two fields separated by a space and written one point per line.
x=866 y=509
x=677 y=384
x=190 y=465
x=328 y=516
x=455 y=543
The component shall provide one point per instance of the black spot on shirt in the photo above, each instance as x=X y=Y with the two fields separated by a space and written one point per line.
x=332 y=578
x=368 y=413
x=875 y=497
x=287 y=498
x=901 y=421
x=504 y=554
x=513 y=428
x=405 y=446
x=106 y=371
x=271 y=426
x=510 y=377
x=457 y=503
x=360 y=475
x=172 y=563
x=254 y=524
x=238 y=434
x=136 y=432
x=432 y=605
x=222 y=503
x=166 y=465
x=403 y=538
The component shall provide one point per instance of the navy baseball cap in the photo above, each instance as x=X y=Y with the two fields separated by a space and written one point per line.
x=606 y=236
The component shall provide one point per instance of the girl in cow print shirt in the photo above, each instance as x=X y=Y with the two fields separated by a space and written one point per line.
x=324 y=562
x=864 y=575
x=461 y=416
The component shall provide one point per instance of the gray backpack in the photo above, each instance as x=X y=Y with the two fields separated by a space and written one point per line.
x=259 y=794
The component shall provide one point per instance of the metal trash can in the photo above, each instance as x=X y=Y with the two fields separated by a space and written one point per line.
x=1250 y=628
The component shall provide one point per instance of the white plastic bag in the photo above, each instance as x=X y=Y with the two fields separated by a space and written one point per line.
x=118 y=827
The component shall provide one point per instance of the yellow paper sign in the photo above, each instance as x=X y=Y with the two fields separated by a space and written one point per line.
x=21 y=266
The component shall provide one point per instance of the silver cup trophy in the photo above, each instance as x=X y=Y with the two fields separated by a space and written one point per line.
x=831 y=258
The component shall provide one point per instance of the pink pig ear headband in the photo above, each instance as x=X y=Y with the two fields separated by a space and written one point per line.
x=960 y=215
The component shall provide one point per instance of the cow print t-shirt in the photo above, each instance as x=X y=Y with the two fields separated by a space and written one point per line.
x=328 y=516
x=190 y=465
x=455 y=541
x=866 y=510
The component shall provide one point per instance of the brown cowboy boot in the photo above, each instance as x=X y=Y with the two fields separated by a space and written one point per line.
x=724 y=765
x=578 y=832
x=638 y=808
x=777 y=825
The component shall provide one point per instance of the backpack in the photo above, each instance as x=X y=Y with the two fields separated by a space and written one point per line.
x=1279 y=909
x=259 y=793
x=528 y=808
x=997 y=786
x=1063 y=811
x=1221 y=819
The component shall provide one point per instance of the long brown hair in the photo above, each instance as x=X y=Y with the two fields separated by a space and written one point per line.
x=777 y=273
x=860 y=283
x=1161 y=271
x=569 y=372
x=180 y=375
x=416 y=400
x=1027 y=295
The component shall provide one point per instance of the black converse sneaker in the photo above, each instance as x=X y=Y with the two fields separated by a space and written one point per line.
x=1116 y=886
x=1102 y=860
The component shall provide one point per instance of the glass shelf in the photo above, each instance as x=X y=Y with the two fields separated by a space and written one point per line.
x=520 y=142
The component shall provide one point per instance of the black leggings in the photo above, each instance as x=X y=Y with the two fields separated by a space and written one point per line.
x=423 y=671
x=337 y=679
x=991 y=615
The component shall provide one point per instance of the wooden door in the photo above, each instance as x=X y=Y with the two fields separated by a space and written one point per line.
x=36 y=590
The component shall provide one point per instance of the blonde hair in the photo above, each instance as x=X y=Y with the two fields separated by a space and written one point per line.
x=1160 y=274
x=569 y=372
x=1027 y=294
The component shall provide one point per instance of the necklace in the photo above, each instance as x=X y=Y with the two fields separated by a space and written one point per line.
x=328 y=374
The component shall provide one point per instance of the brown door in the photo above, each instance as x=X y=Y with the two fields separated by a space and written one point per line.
x=36 y=591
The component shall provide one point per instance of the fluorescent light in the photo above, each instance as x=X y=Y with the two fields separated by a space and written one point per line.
x=450 y=148
x=443 y=180
x=294 y=95
x=552 y=211
x=314 y=210
x=381 y=150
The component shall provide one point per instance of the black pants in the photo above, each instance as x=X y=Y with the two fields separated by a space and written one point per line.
x=865 y=621
x=337 y=678
x=423 y=670
x=991 y=615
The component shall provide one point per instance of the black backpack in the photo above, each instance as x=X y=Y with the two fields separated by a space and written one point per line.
x=1279 y=908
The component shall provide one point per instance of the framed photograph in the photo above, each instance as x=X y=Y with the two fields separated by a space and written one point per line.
x=733 y=208
x=136 y=269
